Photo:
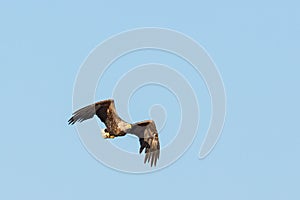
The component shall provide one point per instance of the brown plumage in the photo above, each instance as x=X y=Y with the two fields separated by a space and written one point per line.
x=115 y=127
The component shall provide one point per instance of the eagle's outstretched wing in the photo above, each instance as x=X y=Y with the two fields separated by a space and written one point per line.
x=147 y=133
x=103 y=109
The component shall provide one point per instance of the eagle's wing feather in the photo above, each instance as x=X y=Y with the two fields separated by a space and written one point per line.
x=147 y=133
x=100 y=109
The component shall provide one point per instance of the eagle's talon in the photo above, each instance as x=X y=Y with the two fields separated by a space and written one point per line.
x=106 y=135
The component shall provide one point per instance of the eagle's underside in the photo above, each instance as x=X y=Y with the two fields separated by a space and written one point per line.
x=116 y=127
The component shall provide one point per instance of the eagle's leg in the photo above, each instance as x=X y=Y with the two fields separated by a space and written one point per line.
x=105 y=134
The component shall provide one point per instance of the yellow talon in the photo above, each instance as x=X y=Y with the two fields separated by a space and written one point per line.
x=106 y=135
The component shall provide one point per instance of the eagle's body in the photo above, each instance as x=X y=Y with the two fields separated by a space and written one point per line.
x=116 y=127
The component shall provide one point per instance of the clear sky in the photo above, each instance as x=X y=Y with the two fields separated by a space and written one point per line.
x=256 y=47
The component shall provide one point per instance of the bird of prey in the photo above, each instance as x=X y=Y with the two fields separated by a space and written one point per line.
x=116 y=127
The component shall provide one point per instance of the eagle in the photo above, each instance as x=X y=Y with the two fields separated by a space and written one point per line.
x=116 y=127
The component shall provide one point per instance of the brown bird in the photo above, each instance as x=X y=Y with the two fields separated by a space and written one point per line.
x=116 y=127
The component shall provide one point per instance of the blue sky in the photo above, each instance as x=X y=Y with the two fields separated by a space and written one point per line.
x=256 y=47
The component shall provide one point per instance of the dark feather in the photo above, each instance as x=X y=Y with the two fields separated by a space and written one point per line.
x=148 y=137
x=105 y=110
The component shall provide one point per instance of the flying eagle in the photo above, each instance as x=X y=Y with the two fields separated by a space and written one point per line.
x=116 y=127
